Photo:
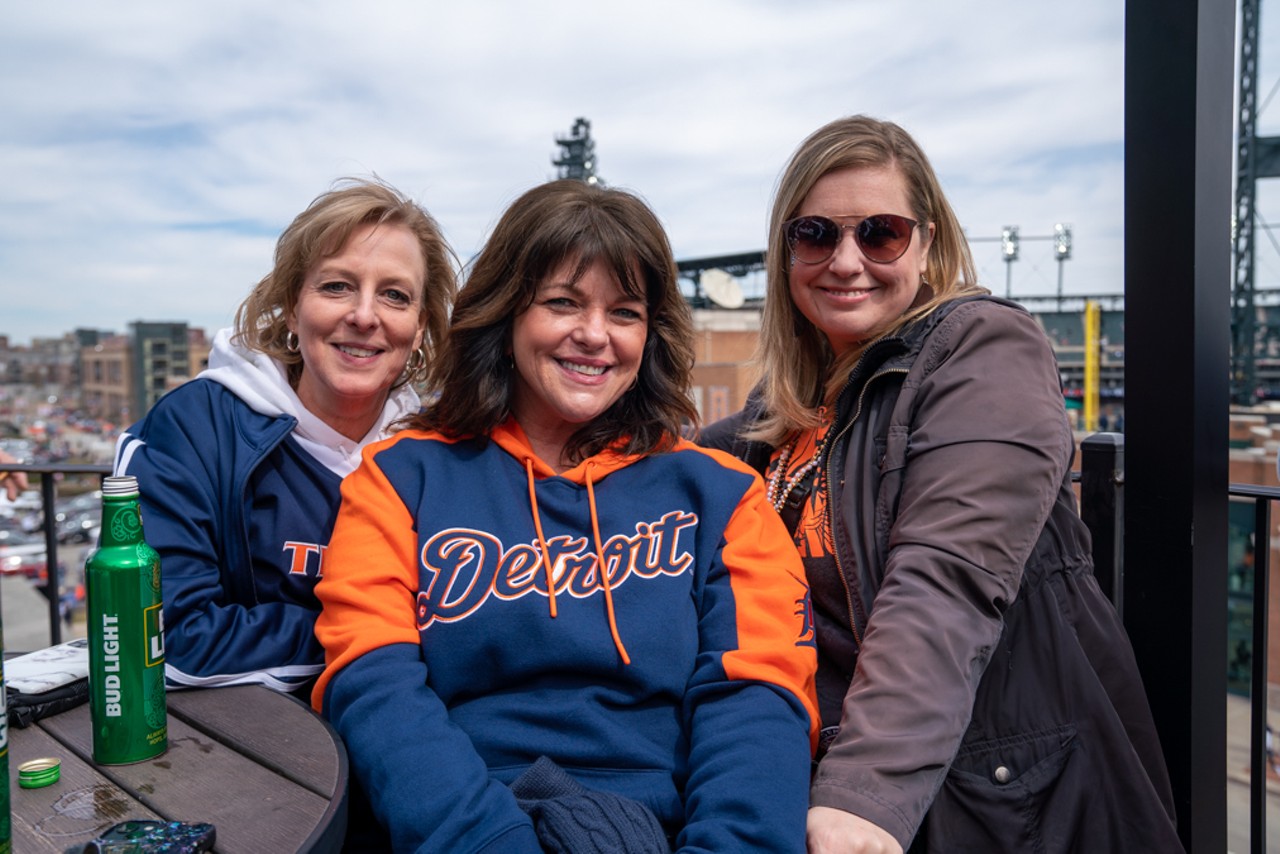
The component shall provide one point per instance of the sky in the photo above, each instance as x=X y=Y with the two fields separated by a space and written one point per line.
x=154 y=151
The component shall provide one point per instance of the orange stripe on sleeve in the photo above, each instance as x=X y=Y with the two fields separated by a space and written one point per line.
x=776 y=640
x=370 y=582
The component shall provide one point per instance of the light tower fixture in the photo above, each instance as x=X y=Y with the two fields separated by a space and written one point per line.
x=1009 y=249
x=1061 y=251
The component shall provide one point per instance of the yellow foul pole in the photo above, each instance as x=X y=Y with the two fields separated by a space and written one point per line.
x=1092 y=336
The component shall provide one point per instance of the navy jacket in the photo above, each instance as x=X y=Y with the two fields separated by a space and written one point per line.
x=210 y=471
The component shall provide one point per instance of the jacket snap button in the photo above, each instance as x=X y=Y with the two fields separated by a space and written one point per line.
x=1003 y=774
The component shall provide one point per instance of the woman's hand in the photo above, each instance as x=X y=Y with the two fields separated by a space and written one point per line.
x=14 y=481
x=833 y=831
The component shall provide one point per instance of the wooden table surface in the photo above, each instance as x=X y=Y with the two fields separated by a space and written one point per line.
x=260 y=766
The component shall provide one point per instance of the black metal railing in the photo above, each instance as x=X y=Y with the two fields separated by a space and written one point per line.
x=1262 y=497
x=48 y=476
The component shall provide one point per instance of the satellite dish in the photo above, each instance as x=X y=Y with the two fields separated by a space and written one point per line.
x=721 y=288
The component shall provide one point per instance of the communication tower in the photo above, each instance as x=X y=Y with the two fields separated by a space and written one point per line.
x=577 y=156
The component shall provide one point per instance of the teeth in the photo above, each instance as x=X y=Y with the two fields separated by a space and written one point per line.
x=589 y=370
x=356 y=351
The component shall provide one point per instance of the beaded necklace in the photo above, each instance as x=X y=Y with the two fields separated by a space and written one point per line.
x=780 y=485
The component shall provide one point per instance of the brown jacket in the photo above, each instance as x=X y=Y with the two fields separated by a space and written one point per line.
x=992 y=702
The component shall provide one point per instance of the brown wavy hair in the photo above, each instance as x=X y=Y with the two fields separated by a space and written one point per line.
x=567 y=221
x=320 y=231
x=799 y=369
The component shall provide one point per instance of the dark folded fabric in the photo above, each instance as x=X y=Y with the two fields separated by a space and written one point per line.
x=26 y=709
x=569 y=818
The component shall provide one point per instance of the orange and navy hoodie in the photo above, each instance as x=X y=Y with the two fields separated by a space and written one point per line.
x=468 y=630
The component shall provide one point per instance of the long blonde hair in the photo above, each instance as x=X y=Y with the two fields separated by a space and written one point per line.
x=799 y=368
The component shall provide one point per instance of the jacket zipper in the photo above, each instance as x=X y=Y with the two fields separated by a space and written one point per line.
x=848 y=594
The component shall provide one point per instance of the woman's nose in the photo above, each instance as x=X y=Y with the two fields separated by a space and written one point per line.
x=847 y=259
x=592 y=329
x=364 y=313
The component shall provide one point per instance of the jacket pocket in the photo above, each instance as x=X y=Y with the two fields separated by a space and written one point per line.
x=1009 y=794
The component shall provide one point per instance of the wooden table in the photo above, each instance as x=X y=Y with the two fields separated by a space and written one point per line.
x=260 y=766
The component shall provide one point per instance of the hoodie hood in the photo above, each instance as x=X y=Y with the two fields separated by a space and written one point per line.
x=263 y=384
x=511 y=438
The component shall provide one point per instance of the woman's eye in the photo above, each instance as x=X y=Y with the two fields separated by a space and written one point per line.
x=629 y=313
x=400 y=297
x=333 y=287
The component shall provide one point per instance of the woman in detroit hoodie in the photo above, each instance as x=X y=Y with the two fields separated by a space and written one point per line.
x=541 y=567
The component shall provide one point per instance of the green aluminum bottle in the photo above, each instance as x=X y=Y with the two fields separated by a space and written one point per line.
x=126 y=634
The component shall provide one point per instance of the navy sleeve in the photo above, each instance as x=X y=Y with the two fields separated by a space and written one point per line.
x=427 y=784
x=750 y=707
x=215 y=633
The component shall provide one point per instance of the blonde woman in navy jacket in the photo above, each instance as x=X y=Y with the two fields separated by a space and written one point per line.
x=239 y=469
x=541 y=572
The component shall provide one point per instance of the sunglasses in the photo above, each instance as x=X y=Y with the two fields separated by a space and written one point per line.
x=883 y=238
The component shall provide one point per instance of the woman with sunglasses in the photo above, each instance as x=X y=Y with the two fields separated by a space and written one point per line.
x=976 y=689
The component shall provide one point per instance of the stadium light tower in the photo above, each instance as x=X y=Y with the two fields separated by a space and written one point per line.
x=1061 y=251
x=1009 y=249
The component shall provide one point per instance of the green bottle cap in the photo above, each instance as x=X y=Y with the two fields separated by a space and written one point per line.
x=38 y=773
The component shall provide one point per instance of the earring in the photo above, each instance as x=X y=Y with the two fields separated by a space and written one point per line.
x=414 y=366
x=291 y=342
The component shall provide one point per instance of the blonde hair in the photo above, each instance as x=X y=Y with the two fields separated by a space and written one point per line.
x=799 y=368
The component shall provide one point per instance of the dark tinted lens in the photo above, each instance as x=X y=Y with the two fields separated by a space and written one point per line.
x=884 y=237
x=812 y=238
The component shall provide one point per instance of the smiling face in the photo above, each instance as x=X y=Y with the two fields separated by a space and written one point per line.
x=577 y=349
x=847 y=297
x=357 y=320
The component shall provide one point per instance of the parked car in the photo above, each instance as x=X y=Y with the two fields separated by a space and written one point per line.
x=79 y=526
x=22 y=553
x=30 y=564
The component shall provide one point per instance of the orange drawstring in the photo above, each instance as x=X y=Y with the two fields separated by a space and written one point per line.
x=603 y=571
x=542 y=541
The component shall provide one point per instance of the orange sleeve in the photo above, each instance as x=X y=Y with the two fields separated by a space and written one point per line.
x=370 y=572
x=776 y=641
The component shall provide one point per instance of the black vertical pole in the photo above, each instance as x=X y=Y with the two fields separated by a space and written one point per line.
x=1102 y=509
x=52 y=584
x=1179 y=61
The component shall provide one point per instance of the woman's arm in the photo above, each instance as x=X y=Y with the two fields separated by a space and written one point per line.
x=750 y=708
x=988 y=445
x=425 y=781
x=215 y=633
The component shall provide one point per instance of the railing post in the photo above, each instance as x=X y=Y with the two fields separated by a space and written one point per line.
x=1260 y=756
x=1102 y=509
x=52 y=588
